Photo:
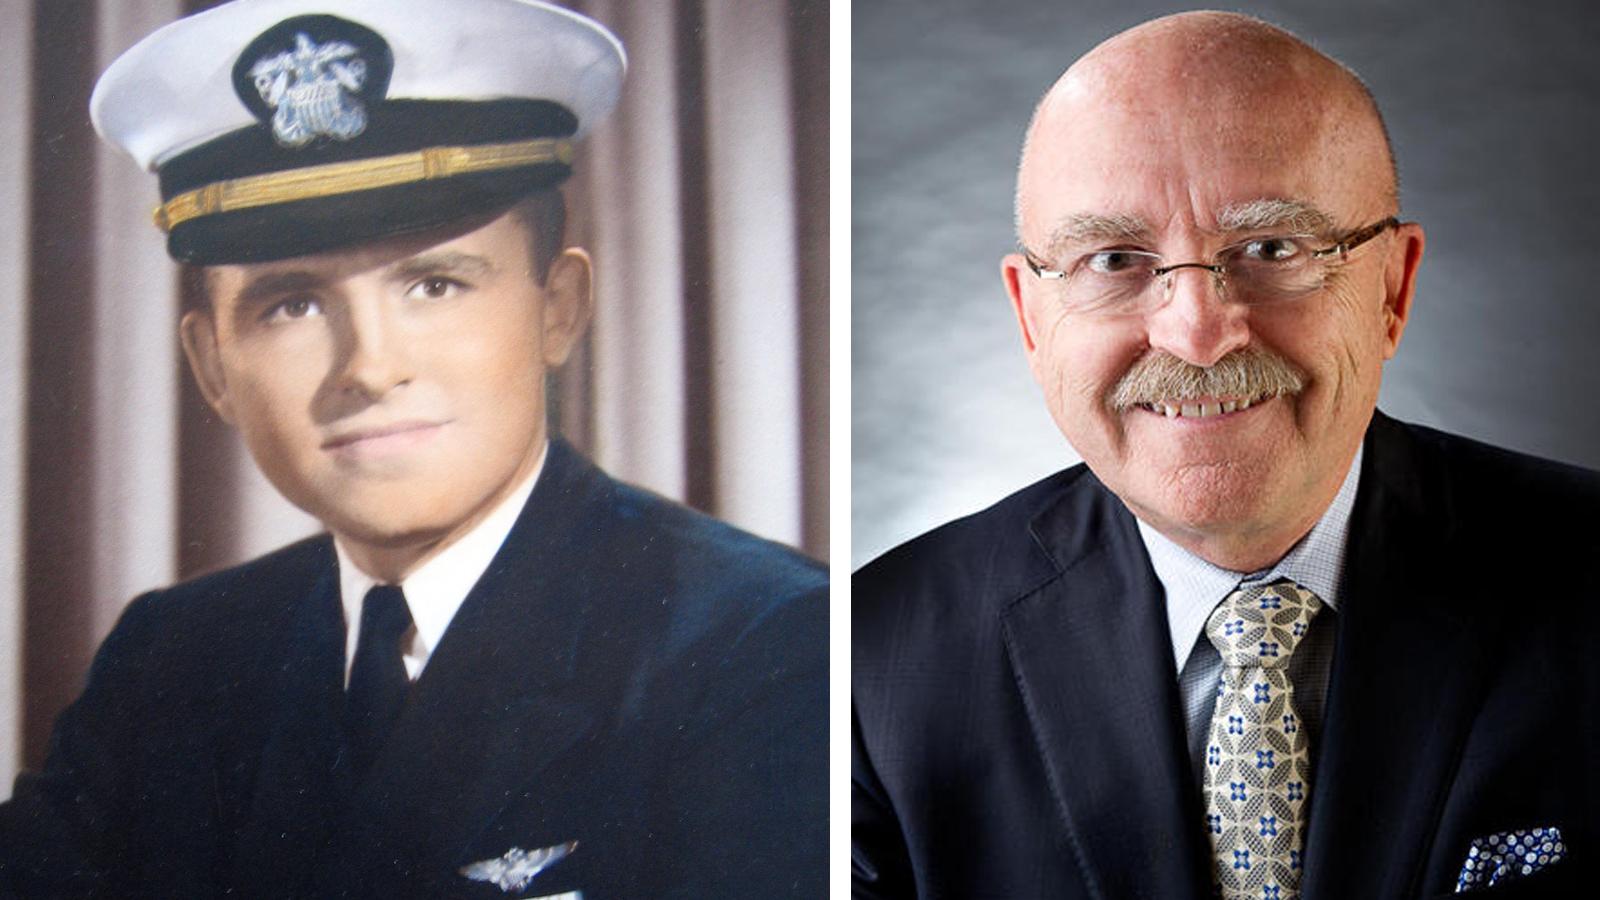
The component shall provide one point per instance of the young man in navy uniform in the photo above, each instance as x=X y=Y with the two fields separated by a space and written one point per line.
x=500 y=672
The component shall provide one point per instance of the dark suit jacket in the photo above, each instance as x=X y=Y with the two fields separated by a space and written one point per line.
x=627 y=674
x=1017 y=724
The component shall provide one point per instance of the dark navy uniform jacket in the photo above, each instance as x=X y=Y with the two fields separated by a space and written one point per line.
x=627 y=674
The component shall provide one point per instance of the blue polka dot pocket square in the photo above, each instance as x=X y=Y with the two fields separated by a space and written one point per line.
x=1509 y=854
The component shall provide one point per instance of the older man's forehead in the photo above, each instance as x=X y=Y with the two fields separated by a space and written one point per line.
x=1194 y=111
x=1104 y=172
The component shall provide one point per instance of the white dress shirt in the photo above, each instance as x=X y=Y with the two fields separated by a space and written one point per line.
x=1194 y=587
x=435 y=590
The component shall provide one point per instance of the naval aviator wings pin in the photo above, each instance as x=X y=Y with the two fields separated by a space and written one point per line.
x=516 y=868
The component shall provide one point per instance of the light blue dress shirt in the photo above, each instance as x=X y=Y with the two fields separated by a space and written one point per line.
x=1194 y=587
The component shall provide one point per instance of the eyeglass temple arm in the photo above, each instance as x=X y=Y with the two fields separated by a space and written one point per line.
x=1357 y=238
x=1040 y=270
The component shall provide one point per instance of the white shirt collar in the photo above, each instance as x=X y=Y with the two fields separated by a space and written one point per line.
x=436 y=589
x=1194 y=586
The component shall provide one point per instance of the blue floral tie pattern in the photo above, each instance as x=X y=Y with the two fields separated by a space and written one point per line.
x=1257 y=758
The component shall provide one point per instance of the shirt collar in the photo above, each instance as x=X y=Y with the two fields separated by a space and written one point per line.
x=1194 y=586
x=437 y=588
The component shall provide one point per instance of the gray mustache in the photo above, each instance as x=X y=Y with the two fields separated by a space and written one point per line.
x=1248 y=372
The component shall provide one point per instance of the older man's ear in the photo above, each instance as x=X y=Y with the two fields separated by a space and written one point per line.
x=1400 y=282
x=1012 y=267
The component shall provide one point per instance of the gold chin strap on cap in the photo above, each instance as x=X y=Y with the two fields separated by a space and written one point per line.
x=332 y=179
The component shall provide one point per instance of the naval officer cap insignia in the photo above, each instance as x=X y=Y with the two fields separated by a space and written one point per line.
x=279 y=128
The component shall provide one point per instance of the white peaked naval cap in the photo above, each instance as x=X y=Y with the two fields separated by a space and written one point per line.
x=284 y=127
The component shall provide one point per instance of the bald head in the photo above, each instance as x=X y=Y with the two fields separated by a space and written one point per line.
x=1190 y=95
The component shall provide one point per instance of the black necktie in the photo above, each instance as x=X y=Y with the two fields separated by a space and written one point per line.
x=378 y=682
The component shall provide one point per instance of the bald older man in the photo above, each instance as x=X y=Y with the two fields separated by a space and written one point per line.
x=1266 y=643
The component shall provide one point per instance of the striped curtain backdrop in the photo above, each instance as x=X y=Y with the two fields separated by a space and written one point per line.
x=703 y=202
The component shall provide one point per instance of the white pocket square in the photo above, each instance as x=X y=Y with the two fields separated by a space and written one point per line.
x=516 y=867
x=1509 y=854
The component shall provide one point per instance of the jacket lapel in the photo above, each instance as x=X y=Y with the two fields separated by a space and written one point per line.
x=504 y=693
x=1405 y=674
x=1093 y=662
x=295 y=792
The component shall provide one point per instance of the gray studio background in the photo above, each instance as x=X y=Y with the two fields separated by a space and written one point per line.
x=1494 y=108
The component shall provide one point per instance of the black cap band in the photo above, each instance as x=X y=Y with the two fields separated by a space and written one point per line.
x=245 y=198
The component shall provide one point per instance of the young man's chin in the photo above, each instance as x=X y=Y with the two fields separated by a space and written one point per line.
x=388 y=511
x=406 y=528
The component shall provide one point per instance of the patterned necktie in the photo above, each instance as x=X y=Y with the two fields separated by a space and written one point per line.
x=378 y=682
x=1257 y=758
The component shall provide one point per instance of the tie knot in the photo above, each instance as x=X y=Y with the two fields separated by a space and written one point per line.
x=385 y=617
x=1260 y=625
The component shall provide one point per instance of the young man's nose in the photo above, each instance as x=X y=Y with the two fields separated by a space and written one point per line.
x=373 y=350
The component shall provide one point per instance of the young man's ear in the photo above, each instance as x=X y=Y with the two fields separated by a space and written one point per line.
x=568 y=303
x=198 y=333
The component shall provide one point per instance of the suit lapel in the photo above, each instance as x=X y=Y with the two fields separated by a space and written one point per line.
x=1093 y=662
x=1405 y=674
x=505 y=692
x=295 y=789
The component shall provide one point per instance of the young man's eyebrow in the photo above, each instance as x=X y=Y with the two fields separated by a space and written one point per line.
x=467 y=265
x=268 y=285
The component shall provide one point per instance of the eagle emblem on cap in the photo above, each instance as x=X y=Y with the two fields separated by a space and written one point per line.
x=311 y=90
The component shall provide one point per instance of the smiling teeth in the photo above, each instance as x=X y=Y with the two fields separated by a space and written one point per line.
x=1199 y=410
